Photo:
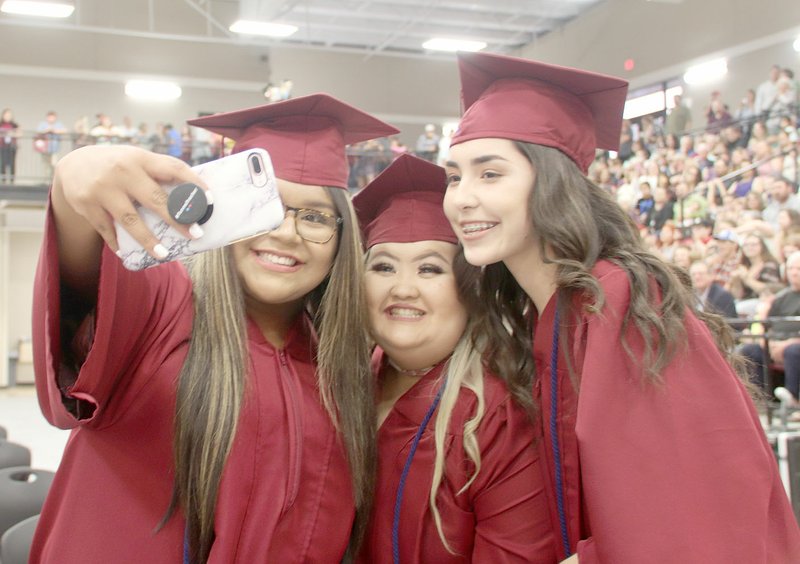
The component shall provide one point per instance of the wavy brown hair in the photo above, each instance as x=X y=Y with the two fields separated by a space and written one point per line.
x=465 y=368
x=577 y=224
x=213 y=379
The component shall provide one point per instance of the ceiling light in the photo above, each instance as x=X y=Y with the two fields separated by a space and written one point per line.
x=152 y=90
x=796 y=45
x=42 y=9
x=442 y=44
x=706 y=72
x=249 y=27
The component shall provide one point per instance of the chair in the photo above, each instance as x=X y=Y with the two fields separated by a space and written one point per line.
x=15 y=543
x=22 y=494
x=773 y=372
x=12 y=454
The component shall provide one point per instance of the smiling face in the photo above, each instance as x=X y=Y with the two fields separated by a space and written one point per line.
x=488 y=193
x=279 y=268
x=415 y=314
x=751 y=247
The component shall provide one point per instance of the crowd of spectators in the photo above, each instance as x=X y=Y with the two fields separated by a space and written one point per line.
x=51 y=138
x=720 y=200
x=717 y=198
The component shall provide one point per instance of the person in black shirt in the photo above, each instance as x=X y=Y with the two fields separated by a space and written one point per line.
x=713 y=297
x=660 y=211
x=784 y=347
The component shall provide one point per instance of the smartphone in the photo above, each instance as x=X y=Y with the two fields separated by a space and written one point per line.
x=246 y=203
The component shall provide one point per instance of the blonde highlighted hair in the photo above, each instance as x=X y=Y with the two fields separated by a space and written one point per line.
x=465 y=369
x=212 y=381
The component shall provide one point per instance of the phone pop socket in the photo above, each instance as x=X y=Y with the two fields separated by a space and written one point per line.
x=187 y=204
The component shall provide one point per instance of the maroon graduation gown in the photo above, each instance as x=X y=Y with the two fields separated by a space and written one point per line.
x=503 y=515
x=678 y=472
x=285 y=494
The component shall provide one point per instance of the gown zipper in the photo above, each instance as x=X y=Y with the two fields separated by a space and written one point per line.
x=293 y=414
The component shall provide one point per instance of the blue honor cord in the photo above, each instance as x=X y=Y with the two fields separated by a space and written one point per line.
x=401 y=486
x=186 y=545
x=562 y=517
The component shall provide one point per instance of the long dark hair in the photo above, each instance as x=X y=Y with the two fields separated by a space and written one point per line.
x=576 y=224
x=212 y=381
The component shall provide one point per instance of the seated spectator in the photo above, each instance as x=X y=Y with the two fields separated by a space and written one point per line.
x=788 y=223
x=782 y=194
x=683 y=256
x=744 y=183
x=701 y=236
x=738 y=156
x=732 y=211
x=784 y=346
x=645 y=202
x=701 y=161
x=671 y=142
x=758 y=134
x=628 y=190
x=754 y=201
x=712 y=297
x=789 y=246
x=687 y=146
x=768 y=163
x=722 y=256
x=757 y=275
x=605 y=180
x=661 y=211
x=668 y=241
x=733 y=137
x=690 y=205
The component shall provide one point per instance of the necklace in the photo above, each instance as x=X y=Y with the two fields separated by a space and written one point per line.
x=413 y=371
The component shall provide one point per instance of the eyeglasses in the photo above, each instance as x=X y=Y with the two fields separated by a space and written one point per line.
x=314 y=226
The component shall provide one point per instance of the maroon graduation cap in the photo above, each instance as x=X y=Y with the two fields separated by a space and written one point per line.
x=572 y=110
x=404 y=204
x=305 y=137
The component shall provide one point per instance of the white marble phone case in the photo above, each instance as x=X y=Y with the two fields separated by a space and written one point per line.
x=245 y=204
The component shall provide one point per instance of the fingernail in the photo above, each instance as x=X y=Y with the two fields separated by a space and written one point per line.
x=195 y=231
x=160 y=251
x=209 y=197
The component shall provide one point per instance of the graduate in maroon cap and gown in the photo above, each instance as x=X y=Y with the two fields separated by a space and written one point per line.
x=653 y=448
x=459 y=477
x=205 y=396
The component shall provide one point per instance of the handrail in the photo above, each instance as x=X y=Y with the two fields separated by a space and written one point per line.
x=766 y=322
x=792 y=110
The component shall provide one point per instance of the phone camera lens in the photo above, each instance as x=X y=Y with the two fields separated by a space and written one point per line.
x=256 y=162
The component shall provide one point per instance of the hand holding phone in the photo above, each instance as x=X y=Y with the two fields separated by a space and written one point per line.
x=244 y=202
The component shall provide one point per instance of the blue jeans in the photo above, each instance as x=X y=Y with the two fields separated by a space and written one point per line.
x=791 y=366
